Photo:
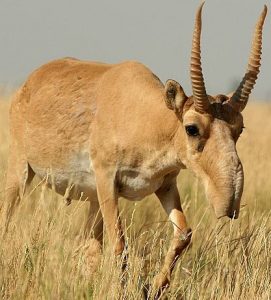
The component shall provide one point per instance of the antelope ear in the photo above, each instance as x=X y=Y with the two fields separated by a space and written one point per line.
x=175 y=96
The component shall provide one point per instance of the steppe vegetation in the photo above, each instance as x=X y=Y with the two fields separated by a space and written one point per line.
x=43 y=257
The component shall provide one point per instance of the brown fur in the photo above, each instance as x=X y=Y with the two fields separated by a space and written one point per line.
x=106 y=131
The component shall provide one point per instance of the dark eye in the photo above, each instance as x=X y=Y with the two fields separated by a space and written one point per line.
x=192 y=130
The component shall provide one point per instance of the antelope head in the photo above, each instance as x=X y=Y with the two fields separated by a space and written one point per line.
x=211 y=126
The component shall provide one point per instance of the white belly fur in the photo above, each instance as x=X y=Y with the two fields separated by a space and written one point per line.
x=78 y=176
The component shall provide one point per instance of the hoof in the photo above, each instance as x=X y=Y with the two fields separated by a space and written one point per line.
x=160 y=284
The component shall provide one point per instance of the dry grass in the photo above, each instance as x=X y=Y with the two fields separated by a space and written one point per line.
x=42 y=257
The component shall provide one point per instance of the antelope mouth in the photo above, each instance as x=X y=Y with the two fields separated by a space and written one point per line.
x=227 y=203
x=230 y=214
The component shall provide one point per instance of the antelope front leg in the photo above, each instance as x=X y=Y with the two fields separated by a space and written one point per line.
x=108 y=201
x=169 y=197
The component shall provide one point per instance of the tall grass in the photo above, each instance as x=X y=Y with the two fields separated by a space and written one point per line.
x=43 y=256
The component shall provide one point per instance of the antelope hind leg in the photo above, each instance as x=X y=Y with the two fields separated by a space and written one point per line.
x=94 y=224
x=19 y=175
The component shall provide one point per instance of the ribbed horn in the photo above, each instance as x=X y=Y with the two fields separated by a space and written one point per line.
x=198 y=86
x=240 y=97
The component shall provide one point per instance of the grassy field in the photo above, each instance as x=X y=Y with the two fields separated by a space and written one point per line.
x=43 y=257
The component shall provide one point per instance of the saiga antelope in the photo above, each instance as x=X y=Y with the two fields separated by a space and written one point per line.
x=115 y=130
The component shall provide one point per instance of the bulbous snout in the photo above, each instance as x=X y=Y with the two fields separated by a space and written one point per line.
x=225 y=191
